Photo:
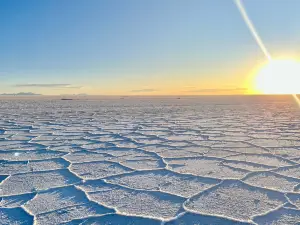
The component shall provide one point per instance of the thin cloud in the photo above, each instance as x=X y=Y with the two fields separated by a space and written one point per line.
x=42 y=85
x=20 y=93
x=144 y=90
x=218 y=90
x=59 y=86
x=73 y=87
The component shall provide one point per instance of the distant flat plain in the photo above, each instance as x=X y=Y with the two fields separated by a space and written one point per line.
x=149 y=160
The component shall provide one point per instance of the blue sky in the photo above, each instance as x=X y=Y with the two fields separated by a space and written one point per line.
x=133 y=46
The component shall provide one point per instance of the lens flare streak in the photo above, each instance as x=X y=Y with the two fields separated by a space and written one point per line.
x=256 y=36
x=252 y=29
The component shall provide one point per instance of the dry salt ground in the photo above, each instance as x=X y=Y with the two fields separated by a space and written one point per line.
x=201 y=160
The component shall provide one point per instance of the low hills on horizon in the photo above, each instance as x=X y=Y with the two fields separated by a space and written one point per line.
x=21 y=94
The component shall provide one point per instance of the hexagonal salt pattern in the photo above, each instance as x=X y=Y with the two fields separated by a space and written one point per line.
x=136 y=161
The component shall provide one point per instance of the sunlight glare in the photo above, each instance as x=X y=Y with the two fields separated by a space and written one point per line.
x=279 y=77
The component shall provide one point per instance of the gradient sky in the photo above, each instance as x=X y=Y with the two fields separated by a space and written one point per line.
x=139 y=46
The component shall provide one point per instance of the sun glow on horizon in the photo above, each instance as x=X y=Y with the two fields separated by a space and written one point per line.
x=281 y=76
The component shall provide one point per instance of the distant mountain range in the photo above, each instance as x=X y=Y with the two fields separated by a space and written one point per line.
x=20 y=93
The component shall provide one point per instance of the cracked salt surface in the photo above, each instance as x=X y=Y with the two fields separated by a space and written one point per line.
x=281 y=216
x=204 y=160
x=236 y=200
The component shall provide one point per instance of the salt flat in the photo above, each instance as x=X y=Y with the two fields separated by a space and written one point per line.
x=141 y=160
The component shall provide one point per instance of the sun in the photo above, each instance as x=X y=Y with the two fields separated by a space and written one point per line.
x=279 y=77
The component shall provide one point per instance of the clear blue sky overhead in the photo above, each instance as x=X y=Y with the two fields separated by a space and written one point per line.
x=134 y=46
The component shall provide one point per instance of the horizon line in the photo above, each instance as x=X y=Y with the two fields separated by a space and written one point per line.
x=144 y=95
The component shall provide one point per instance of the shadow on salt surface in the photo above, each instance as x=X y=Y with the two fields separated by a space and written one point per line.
x=289 y=153
x=70 y=213
x=290 y=205
x=25 y=137
x=114 y=219
x=290 y=171
x=15 y=200
x=2 y=177
x=235 y=199
x=297 y=188
x=15 y=216
x=197 y=219
x=294 y=198
x=286 y=216
x=7 y=144
x=54 y=199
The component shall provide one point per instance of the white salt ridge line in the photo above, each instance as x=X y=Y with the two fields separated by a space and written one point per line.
x=272 y=211
x=263 y=214
x=289 y=200
x=228 y=178
x=86 y=218
x=35 y=216
x=275 y=175
x=144 y=190
x=165 y=169
x=115 y=208
x=136 y=189
x=218 y=216
x=175 y=218
x=47 y=189
x=290 y=162
x=188 y=199
x=69 y=206
x=254 y=145
x=232 y=218
x=249 y=163
x=211 y=215
x=91 y=179
x=7 y=176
